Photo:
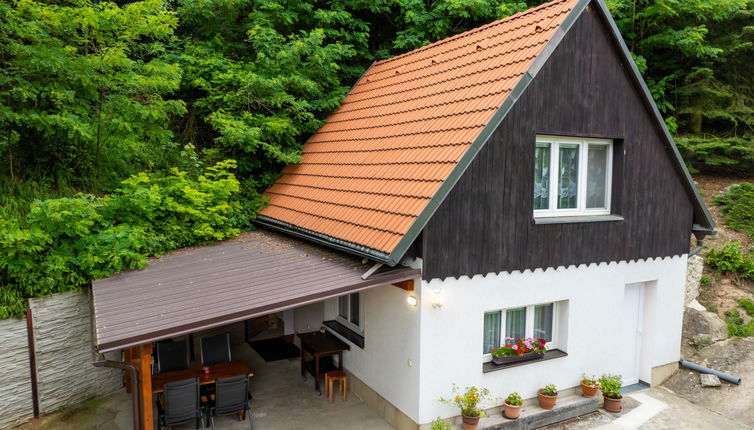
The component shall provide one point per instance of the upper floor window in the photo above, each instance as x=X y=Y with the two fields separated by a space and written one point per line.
x=572 y=176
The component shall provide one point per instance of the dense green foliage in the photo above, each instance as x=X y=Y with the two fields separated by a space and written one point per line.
x=697 y=57
x=738 y=207
x=69 y=241
x=108 y=99
x=732 y=258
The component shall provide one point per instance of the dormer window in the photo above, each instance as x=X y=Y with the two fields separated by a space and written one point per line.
x=572 y=176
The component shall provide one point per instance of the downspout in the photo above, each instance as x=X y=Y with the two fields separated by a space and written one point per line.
x=134 y=386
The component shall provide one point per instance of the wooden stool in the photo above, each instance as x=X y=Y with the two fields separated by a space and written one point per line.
x=336 y=375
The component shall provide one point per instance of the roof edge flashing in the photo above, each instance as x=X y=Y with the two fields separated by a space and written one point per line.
x=605 y=13
x=481 y=140
x=323 y=239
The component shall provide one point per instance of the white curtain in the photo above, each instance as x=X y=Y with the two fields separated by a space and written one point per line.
x=491 y=331
x=515 y=323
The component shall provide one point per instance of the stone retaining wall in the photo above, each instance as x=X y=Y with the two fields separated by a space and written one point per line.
x=15 y=377
x=64 y=356
x=65 y=352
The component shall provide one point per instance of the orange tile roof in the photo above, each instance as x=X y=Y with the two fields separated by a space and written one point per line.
x=367 y=174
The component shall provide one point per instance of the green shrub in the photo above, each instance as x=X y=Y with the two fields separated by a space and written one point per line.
x=732 y=258
x=748 y=306
x=738 y=207
x=736 y=326
x=705 y=280
x=64 y=243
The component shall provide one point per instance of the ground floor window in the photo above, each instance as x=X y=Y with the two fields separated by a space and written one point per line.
x=349 y=311
x=535 y=321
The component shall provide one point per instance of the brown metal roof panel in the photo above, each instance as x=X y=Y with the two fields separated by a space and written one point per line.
x=305 y=272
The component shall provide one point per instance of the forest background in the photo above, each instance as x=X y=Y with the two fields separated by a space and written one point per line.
x=128 y=129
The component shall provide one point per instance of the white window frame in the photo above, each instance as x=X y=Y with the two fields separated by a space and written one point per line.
x=581 y=209
x=359 y=328
x=529 y=332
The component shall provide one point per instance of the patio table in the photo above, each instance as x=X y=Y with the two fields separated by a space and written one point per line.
x=320 y=345
x=216 y=371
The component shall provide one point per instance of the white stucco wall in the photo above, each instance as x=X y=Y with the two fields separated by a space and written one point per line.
x=389 y=362
x=451 y=336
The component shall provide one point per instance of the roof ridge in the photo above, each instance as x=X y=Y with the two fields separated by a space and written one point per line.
x=473 y=30
x=545 y=20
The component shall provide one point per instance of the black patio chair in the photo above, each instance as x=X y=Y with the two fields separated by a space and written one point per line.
x=171 y=356
x=180 y=404
x=231 y=396
x=215 y=349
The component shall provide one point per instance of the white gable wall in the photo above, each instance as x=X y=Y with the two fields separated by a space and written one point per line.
x=451 y=336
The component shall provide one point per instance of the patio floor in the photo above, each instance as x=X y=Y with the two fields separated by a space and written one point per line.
x=282 y=401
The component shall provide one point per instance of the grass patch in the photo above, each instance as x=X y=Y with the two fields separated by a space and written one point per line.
x=738 y=207
x=736 y=326
x=748 y=306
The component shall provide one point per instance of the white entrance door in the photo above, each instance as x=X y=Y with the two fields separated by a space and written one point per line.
x=631 y=333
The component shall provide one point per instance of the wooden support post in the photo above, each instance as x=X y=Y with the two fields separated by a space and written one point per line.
x=141 y=356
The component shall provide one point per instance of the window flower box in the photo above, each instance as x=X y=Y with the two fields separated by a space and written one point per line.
x=516 y=358
x=518 y=350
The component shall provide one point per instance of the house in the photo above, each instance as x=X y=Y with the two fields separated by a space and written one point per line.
x=525 y=169
x=518 y=176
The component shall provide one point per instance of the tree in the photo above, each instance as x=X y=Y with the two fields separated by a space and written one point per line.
x=82 y=93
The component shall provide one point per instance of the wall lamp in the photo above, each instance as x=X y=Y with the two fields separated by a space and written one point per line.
x=411 y=300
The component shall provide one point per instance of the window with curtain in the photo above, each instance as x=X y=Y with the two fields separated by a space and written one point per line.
x=535 y=321
x=572 y=176
x=491 y=331
x=515 y=323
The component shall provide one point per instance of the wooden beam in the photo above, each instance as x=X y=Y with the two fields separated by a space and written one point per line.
x=405 y=285
x=141 y=356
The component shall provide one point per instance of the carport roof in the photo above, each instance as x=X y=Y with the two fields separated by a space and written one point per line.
x=258 y=273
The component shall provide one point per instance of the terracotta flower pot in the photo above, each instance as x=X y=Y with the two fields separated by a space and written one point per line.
x=612 y=405
x=510 y=411
x=546 y=402
x=589 y=390
x=470 y=423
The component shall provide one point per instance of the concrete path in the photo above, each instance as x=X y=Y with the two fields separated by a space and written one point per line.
x=654 y=409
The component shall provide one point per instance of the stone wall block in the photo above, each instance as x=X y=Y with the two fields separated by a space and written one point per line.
x=15 y=378
x=65 y=352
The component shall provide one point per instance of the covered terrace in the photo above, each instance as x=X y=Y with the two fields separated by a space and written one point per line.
x=202 y=288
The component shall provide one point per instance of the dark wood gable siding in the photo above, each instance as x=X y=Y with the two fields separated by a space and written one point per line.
x=485 y=224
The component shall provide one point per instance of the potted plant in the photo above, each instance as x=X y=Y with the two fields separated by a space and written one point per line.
x=440 y=424
x=516 y=350
x=610 y=385
x=547 y=396
x=512 y=406
x=589 y=385
x=469 y=403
